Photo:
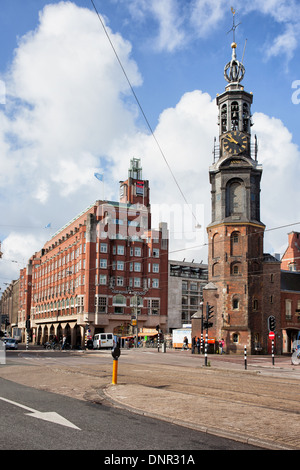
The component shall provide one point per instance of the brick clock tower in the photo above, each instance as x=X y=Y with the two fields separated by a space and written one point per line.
x=243 y=282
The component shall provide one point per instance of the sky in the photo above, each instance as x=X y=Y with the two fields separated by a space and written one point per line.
x=79 y=96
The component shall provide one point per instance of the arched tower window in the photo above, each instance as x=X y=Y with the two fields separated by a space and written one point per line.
x=216 y=271
x=235 y=198
x=224 y=118
x=235 y=243
x=236 y=269
x=235 y=302
x=234 y=115
x=216 y=248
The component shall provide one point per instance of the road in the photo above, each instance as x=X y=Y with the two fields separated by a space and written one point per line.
x=89 y=426
x=254 y=406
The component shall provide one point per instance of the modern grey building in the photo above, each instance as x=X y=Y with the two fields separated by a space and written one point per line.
x=186 y=282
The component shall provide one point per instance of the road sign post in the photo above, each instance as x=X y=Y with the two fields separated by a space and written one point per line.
x=272 y=337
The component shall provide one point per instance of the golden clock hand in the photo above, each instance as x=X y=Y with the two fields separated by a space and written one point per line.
x=231 y=139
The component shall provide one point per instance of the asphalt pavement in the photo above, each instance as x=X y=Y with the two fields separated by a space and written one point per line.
x=255 y=403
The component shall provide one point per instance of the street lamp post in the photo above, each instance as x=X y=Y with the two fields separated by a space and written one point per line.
x=134 y=318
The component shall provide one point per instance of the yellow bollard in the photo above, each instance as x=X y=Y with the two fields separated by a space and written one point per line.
x=115 y=372
x=115 y=354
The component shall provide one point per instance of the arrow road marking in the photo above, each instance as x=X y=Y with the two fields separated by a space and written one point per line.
x=51 y=416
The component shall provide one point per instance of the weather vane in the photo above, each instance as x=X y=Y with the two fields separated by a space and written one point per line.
x=234 y=26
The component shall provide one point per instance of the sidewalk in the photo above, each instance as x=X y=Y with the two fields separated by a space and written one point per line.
x=259 y=406
x=248 y=408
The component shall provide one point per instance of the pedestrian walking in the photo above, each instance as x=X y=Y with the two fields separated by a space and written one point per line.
x=198 y=344
x=193 y=344
x=185 y=343
x=221 y=345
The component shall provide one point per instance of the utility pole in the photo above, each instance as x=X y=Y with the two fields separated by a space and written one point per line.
x=134 y=318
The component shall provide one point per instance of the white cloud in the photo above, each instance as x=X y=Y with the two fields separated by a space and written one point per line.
x=280 y=158
x=206 y=15
x=179 y=23
x=67 y=102
x=168 y=15
x=284 y=44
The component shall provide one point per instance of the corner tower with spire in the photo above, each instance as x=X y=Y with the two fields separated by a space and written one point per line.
x=235 y=235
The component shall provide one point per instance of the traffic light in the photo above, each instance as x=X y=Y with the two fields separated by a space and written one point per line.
x=209 y=314
x=271 y=323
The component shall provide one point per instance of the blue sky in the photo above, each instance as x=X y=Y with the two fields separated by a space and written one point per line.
x=69 y=111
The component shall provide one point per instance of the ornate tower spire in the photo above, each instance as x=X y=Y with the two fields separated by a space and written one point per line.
x=234 y=70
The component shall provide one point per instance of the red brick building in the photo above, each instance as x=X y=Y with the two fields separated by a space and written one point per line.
x=86 y=277
x=244 y=282
x=290 y=292
x=291 y=257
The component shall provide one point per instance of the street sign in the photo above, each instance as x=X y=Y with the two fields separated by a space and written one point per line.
x=272 y=335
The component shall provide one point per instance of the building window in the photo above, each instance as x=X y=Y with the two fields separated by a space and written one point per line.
x=184 y=286
x=235 y=303
x=120 y=265
x=137 y=267
x=153 y=307
x=184 y=300
x=137 y=282
x=100 y=303
x=235 y=269
x=155 y=253
x=103 y=263
x=120 y=281
x=235 y=338
x=103 y=247
x=120 y=250
x=137 y=251
x=288 y=309
x=292 y=266
x=119 y=300
x=155 y=283
x=102 y=279
x=255 y=304
x=155 y=267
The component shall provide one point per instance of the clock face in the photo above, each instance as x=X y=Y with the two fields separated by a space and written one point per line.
x=235 y=142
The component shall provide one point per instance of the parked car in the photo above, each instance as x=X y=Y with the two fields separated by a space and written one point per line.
x=11 y=343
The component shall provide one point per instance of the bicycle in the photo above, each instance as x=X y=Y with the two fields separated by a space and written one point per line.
x=53 y=345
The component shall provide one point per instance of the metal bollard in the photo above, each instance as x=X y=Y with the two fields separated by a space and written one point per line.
x=273 y=357
x=245 y=357
x=115 y=372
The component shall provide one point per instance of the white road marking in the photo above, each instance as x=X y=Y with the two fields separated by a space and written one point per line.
x=51 y=416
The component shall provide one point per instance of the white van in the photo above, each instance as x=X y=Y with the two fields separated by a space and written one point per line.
x=103 y=340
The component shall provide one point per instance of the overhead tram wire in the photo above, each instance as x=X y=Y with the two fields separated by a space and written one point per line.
x=143 y=113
